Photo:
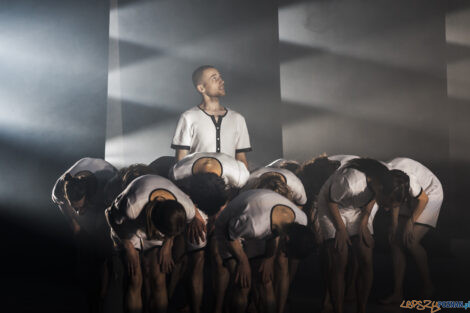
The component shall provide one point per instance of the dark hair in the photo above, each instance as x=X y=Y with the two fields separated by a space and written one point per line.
x=75 y=188
x=272 y=181
x=207 y=190
x=128 y=174
x=197 y=74
x=401 y=189
x=162 y=165
x=168 y=216
x=301 y=241
x=375 y=170
x=314 y=173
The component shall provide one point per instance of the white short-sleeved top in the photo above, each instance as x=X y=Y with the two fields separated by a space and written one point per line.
x=348 y=188
x=102 y=170
x=198 y=131
x=294 y=183
x=248 y=216
x=234 y=172
x=126 y=211
x=422 y=179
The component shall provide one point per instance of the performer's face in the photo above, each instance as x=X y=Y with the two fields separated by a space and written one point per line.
x=212 y=83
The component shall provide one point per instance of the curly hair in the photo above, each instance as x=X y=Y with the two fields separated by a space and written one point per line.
x=128 y=174
x=274 y=182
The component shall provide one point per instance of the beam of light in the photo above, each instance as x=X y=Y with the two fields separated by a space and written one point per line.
x=321 y=24
x=330 y=82
x=114 y=151
x=155 y=138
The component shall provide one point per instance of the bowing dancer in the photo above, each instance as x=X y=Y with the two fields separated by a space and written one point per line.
x=144 y=219
x=416 y=202
x=210 y=179
x=345 y=216
x=255 y=230
x=83 y=193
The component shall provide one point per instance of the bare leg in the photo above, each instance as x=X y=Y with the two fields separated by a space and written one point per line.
x=220 y=276
x=351 y=277
x=327 y=305
x=293 y=266
x=197 y=280
x=158 y=301
x=266 y=290
x=239 y=299
x=399 y=261
x=337 y=261
x=363 y=254
x=178 y=252
x=134 y=291
x=419 y=255
x=399 y=266
x=281 y=279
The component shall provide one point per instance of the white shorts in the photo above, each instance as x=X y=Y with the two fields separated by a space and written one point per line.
x=351 y=219
x=190 y=247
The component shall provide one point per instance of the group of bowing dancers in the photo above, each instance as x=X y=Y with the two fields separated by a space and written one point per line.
x=167 y=218
x=163 y=221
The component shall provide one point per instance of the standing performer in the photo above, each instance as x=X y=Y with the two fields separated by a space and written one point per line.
x=210 y=127
x=345 y=207
x=145 y=218
x=83 y=193
x=415 y=204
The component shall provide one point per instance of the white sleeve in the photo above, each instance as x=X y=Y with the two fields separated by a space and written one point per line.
x=244 y=174
x=415 y=187
x=182 y=137
x=339 y=190
x=58 y=196
x=240 y=227
x=243 y=142
x=118 y=219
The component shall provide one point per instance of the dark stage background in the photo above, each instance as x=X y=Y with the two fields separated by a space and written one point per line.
x=99 y=78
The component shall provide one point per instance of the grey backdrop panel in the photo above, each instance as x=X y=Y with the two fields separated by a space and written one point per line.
x=157 y=44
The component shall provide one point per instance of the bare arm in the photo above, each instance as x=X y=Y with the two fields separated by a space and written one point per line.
x=241 y=156
x=337 y=220
x=422 y=201
x=366 y=213
x=341 y=236
x=364 y=233
x=166 y=257
x=181 y=153
x=71 y=218
x=408 y=235
x=267 y=264
x=243 y=274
